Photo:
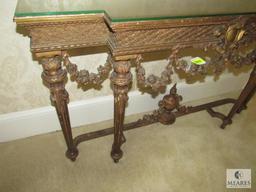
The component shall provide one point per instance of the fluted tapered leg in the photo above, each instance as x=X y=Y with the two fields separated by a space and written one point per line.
x=243 y=99
x=121 y=79
x=54 y=78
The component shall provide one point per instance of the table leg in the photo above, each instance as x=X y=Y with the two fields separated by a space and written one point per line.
x=121 y=79
x=244 y=106
x=243 y=99
x=54 y=78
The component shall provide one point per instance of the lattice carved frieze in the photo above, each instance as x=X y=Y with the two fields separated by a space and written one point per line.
x=68 y=36
x=165 y=36
x=231 y=39
x=228 y=39
x=159 y=39
x=155 y=39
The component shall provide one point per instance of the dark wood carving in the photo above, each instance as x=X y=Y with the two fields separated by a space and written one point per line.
x=54 y=78
x=243 y=99
x=121 y=79
x=66 y=33
x=131 y=42
x=84 y=77
x=226 y=35
x=153 y=81
x=150 y=119
x=167 y=106
x=231 y=38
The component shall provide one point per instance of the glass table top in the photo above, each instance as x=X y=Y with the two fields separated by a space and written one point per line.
x=135 y=10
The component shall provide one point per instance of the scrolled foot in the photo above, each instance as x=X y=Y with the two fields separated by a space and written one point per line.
x=72 y=154
x=116 y=155
x=225 y=123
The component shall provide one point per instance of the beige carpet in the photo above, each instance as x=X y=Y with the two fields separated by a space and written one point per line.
x=190 y=156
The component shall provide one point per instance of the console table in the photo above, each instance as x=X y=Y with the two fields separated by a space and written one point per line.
x=130 y=29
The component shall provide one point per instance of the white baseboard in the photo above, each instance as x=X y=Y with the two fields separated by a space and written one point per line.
x=28 y=123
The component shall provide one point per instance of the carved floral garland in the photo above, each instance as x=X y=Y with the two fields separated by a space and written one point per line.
x=84 y=77
x=152 y=80
x=230 y=39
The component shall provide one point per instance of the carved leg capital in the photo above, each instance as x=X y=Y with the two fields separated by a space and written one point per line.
x=54 y=78
x=121 y=79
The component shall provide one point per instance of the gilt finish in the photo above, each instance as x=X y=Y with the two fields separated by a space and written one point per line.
x=239 y=33
x=154 y=82
x=127 y=42
x=84 y=77
x=54 y=78
x=169 y=103
x=121 y=78
x=64 y=33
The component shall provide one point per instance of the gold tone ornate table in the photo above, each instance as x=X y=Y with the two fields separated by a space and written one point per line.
x=130 y=29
